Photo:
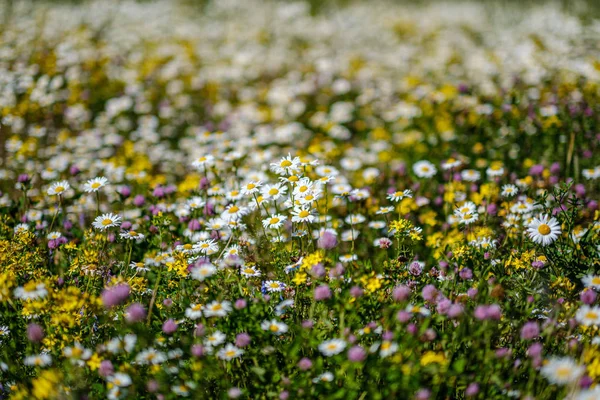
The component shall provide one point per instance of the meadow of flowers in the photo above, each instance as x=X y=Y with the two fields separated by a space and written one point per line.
x=254 y=200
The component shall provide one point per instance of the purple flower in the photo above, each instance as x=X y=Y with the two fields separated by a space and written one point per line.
x=588 y=296
x=234 y=393
x=357 y=354
x=327 y=241
x=443 y=306
x=307 y=324
x=530 y=330
x=472 y=390
x=494 y=312
x=465 y=274
x=115 y=295
x=125 y=191
x=242 y=340
x=401 y=293
x=318 y=271
x=305 y=364
x=423 y=394
x=106 y=368
x=429 y=293
x=23 y=178
x=169 y=327
x=139 y=200
x=356 y=291
x=412 y=329
x=403 y=316
x=480 y=312
x=536 y=170
x=35 y=333
x=199 y=331
x=240 y=304
x=194 y=225
x=535 y=350
x=322 y=292
x=159 y=192
x=197 y=350
x=135 y=312
x=415 y=268
x=455 y=310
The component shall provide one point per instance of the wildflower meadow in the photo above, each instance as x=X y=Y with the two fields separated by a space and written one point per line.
x=299 y=200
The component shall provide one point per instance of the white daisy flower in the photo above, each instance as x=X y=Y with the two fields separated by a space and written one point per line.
x=562 y=370
x=58 y=188
x=217 y=309
x=275 y=221
x=424 y=169
x=194 y=311
x=273 y=286
x=274 y=326
x=120 y=379
x=106 y=221
x=229 y=352
x=509 y=190
x=302 y=214
x=588 y=316
x=215 y=339
x=203 y=271
x=249 y=271
x=332 y=347
x=39 y=360
x=544 y=230
x=93 y=185
x=203 y=162
x=591 y=281
x=399 y=195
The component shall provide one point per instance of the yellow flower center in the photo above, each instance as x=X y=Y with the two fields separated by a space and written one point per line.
x=233 y=209
x=563 y=372
x=273 y=191
x=596 y=280
x=187 y=246
x=217 y=307
x=544 y=229
x=59 y=189
x=250 y=186
x=303 y=214
x=273 y=328
x=286 y=163
x=230 y=353
x=273 y=220
x=107 y=221
x=132 y=233
x=293 y=178
x=95 y=185
x=591 y=315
